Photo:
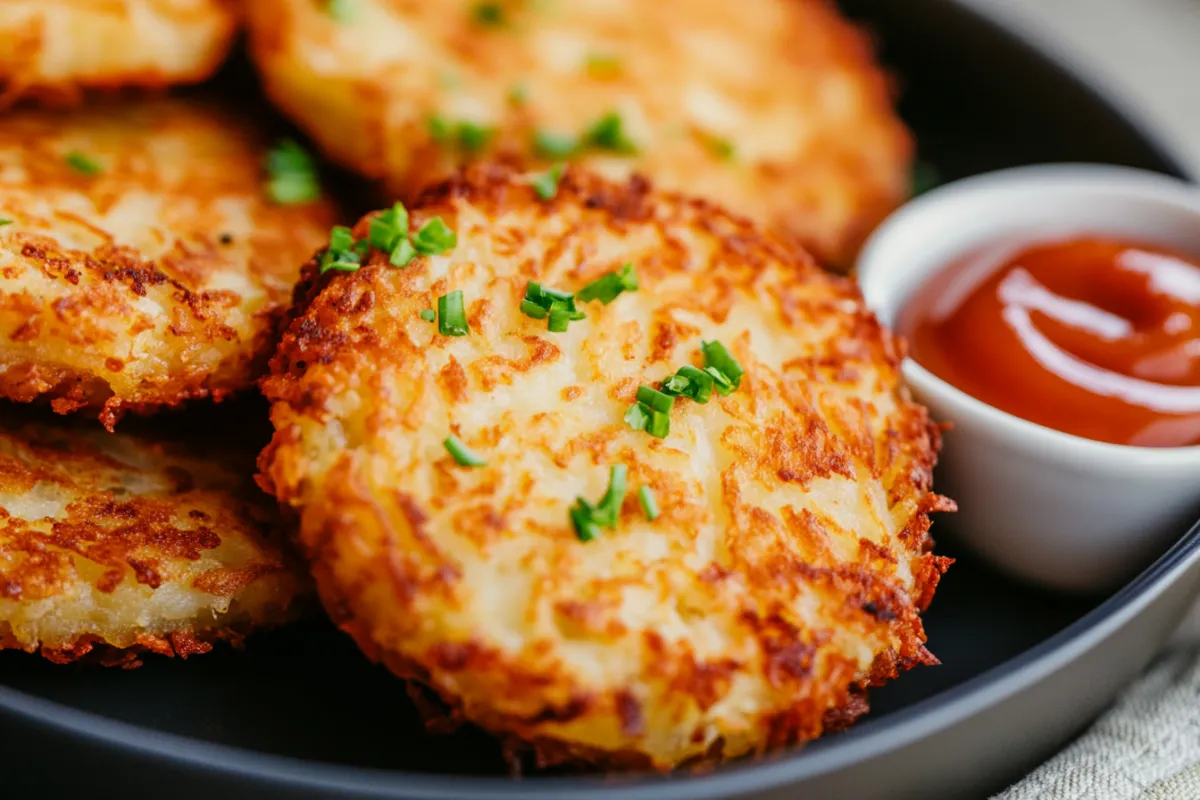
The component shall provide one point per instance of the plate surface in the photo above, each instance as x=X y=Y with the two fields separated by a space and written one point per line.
x=302 y=714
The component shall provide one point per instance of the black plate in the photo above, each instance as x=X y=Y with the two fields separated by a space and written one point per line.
x=301 y=713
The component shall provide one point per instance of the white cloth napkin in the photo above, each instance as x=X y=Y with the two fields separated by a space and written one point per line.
x=1147 y=747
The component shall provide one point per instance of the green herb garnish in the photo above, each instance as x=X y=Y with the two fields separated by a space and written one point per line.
x=546 y=185
x=452 y=317
x=434 y=238
x=609 y=134
x=691 y=383
x=83 y=163
x=554 y=145
x=428 y=314
x=341 y=10
x=649 y=505
x=489 y=15
x=5 y=221
x=720 y=147
x=343 y=254
x=386 y=229
x=588 y=518
x=542 y=302
x=465 y=456
x=469 y=137
x=725 y=370
x=651 y=412
x=608 y=287
x=291 y=174
x=402 y=254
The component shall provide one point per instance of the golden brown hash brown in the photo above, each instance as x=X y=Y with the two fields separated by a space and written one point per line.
x=52 y=49
x=112 y=545
x=774 y=108
x=141 y=261
x=791 y=560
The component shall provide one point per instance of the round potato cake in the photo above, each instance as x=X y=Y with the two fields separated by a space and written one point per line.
x=789 y=559
x=52 y=49
x=774 y=108
x=142 y=262
x=114 y=545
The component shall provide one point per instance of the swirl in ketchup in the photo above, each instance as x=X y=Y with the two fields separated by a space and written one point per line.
x=1095 y=337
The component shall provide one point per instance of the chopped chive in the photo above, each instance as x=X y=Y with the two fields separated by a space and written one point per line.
x=532 y=309
x=659 y=425
x=473 y=138
x=5 y=221
x=717 y=357
x=546 y=184
x=403 y=254
x=608 y=510
x=649 y=505
x=385 y=230
x=720 y=147
x=606 y=288
x=585 y=528
x=434 y=238
x=637 y=417
x=292 y=175
x=489 y=15
x=588 y=518
x=554 y=145
x=655 y=400
x=560 y=320
x=343 y=253
x=465 y=456
x=428 y=314
x=82 y=163
x=440 y=130
x=689 y=382
x=341 y=10
x=470 y=137
x=609 y=134
x=721 y=381
x=452 y=318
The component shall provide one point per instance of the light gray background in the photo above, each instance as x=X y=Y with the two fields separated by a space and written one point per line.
x=1147 y=50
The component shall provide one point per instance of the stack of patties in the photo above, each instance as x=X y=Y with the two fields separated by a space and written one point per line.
x=620 y=476
x=146 y=259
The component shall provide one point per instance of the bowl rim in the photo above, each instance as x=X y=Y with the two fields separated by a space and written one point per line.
x=875 y=265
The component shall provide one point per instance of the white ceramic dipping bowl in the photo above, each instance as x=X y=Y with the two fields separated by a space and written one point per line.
x=1050 y=507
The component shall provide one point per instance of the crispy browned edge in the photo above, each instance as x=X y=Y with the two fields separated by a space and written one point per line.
x=70 y=390
x=490 y=185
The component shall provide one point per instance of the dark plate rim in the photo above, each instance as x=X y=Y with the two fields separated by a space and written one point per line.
x=870 y=738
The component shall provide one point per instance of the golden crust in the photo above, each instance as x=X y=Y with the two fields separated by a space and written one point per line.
x=158 y=280
x=791 y=560
x=112 y=546
x=54 y=49
x=817 y=148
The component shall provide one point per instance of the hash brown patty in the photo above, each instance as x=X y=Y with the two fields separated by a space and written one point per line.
x=791 y=560
x=53 y=49
x=141 y=262
x=773 y=108
x=113 y=545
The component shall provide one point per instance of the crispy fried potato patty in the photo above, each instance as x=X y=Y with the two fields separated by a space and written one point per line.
x=774 y=108
x=54 y=48
x=791 y=558
x=141 y=262
x=118 y=543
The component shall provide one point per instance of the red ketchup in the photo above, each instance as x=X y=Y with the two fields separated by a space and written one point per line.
x=1095 y=337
